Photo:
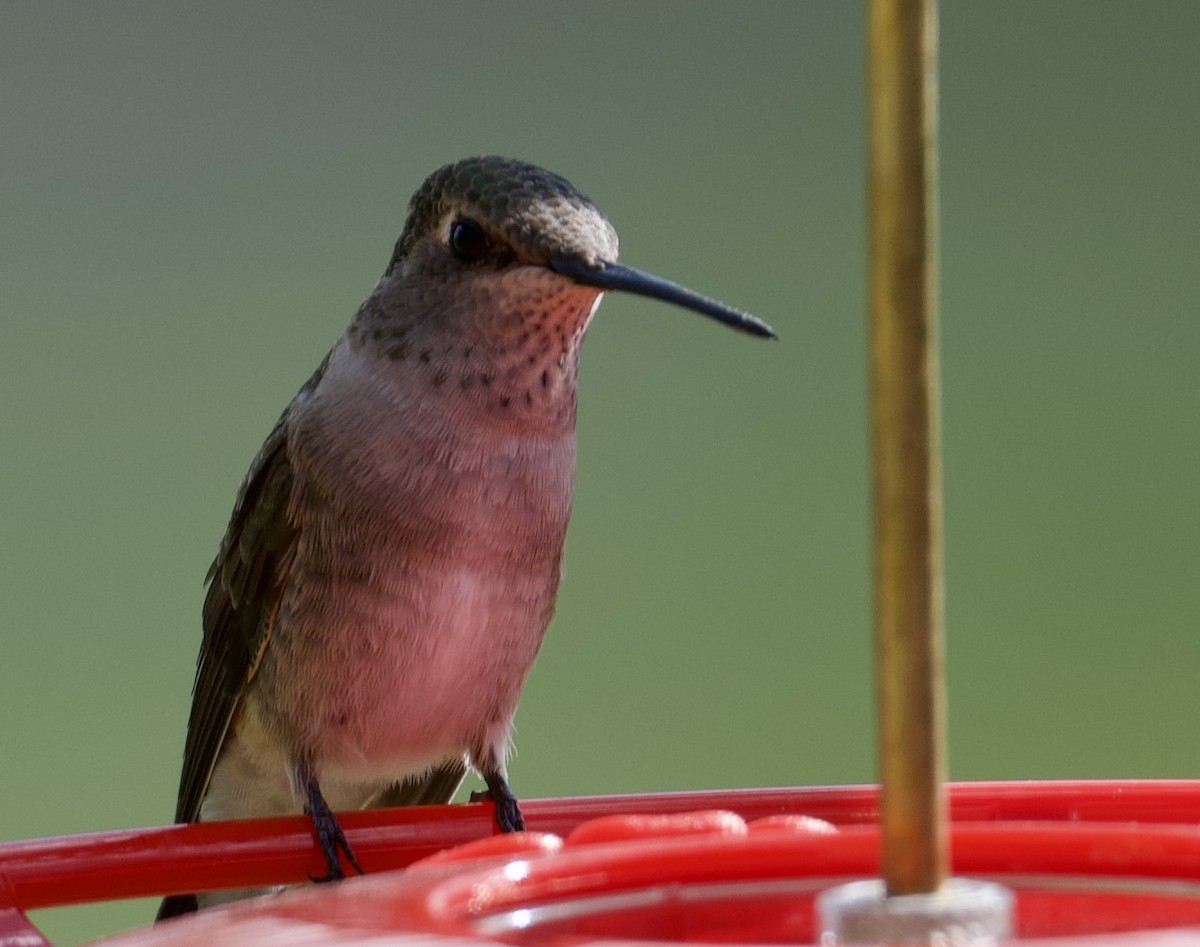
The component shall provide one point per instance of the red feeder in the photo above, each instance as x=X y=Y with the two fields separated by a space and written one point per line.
x=1104 y=863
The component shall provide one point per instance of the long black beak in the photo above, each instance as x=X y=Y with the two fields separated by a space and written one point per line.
x=614 y=276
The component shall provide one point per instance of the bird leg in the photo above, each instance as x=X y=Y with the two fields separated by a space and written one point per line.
x=508 y=813
x=330 y=836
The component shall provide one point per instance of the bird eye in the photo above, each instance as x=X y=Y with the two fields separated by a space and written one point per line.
x=467 y=240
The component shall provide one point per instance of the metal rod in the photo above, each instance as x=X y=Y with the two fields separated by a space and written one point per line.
x=902 y=91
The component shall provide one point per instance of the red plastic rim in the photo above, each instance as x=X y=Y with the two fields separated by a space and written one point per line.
x=1133 y=879
x=1084 y=857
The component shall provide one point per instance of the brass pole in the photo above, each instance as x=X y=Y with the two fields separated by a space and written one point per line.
x=902 y=90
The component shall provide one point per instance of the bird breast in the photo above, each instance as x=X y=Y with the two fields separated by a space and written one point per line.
x=425 y=574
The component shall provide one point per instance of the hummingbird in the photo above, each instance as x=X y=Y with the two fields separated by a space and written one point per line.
x=394 y=553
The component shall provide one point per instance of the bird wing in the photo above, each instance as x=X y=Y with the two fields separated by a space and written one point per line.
x=245 y=585
x=429 y=789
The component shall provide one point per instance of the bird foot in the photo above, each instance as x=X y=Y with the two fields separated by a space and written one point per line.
x=508 y=813
x=330 y=837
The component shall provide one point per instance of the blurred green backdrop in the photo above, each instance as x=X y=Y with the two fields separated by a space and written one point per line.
x=197 y=196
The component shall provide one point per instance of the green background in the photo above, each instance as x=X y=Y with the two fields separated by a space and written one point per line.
x=196 y=197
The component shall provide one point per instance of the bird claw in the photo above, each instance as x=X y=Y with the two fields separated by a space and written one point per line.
x=507 y=813
x=330 y=838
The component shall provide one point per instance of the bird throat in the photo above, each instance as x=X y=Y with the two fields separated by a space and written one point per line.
x=513 y=357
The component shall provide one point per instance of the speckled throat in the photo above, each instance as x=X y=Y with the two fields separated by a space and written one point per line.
x=508 y=346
